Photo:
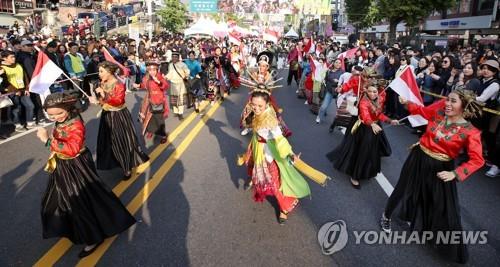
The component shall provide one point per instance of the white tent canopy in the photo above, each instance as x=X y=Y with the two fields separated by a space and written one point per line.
x=291 y=34
x=203 y=27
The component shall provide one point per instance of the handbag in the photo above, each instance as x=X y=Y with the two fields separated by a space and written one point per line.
x=156 y=108
x=322 y=91
x=5 y=101
x=352 y=101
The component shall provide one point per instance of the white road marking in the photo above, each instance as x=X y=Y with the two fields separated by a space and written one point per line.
x=21 y=134
x=384 y=183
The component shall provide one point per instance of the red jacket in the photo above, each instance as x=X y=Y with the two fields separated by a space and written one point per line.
x=369 y=113
x=68 y=138
x=450 y=139
x=115 y=97
x=156 y=91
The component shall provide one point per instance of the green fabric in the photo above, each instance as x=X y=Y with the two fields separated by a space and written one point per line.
x=292 y=182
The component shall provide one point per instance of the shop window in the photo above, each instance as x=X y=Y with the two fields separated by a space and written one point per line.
x=485 y=5
x=6 y=6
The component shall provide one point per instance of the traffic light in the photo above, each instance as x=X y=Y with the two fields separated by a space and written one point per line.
x=335 y=22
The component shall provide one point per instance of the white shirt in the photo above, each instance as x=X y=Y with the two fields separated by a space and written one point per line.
x=269 y=134
x=491 y=92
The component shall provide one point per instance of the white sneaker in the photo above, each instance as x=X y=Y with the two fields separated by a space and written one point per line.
x=245 y=131
x=297 y=91
x=318 y=120
x=31 y=125
x=305 y=103
x=493 y=171
x=20 y=128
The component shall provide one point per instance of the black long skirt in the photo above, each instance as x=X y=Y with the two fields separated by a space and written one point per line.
x=428 y=203
x=117 y=144
x=359 y=154
x=79 y=206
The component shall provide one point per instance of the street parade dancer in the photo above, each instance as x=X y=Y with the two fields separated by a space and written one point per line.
x=117 y=144
x=271 y=163
x=154 y=107
x=427 y=186
x=361 y=149
x=76 y=203
x=261 y=75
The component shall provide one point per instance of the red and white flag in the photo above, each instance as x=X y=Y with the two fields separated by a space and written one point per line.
x=347 y=54
x=233 y=38
x=310 y=46
x=406 y=86
x=45 y=74
x=270 y=35
x=110 y=58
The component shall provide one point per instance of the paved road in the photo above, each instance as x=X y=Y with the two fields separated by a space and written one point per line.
x=192 y=209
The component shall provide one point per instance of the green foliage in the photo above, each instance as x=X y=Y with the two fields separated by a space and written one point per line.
x=173 y=15
x=365 y=13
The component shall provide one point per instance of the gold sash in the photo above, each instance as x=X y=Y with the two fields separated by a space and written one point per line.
x=51 y=165
x=432 y=154
x=108 y=107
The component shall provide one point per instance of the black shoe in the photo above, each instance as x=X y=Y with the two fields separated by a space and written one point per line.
x=385 y=224
x=84 y=253
x=181 y=117
x=196 y=110
x=332 y=127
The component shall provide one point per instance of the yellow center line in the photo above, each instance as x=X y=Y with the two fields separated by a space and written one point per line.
x=63 y=245
x=150 y=186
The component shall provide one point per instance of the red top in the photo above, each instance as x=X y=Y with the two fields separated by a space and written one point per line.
x=451 y=138
x=115 y=97
x=156 y=91
x=68 y=137
x=370 y=113
x=352 y=84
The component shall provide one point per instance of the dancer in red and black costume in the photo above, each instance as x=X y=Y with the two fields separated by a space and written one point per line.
x=361 y=149
x=117 y=144
x=76 y=204
x=427 y=186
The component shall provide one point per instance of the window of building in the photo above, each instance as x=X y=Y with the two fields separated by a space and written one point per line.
x=6 y=6
x=484 y=5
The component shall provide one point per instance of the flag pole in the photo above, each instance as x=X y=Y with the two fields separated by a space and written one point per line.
x=66 y=75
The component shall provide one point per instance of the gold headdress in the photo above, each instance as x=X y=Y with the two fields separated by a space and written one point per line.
x=259 y=83
x=264 y=59
x=472 y=108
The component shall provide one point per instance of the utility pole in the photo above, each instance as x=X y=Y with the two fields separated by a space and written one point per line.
x=149 y=25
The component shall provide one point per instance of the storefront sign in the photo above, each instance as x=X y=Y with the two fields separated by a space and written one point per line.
x=465 y=23
x=203 y=6
x=23 y=4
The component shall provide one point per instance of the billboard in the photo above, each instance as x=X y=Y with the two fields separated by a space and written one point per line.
x=316 y=7
x=258 y=6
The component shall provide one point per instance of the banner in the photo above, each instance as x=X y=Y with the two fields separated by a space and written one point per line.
x=258 y=6
x=203 y=6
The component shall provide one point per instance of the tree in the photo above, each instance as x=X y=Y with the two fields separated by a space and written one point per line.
x=173 y=15
x=365 y=13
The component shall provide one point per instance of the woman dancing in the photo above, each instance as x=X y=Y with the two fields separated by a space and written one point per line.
x=427 y=186
x=117 y=144
x=361 y=149
x=76 y=204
